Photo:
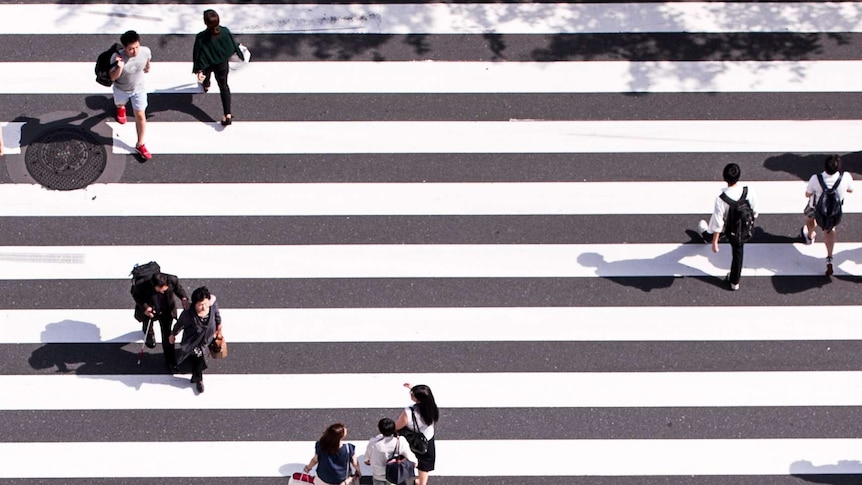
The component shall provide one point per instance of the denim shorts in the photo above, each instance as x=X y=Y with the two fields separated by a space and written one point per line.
x=139 y=98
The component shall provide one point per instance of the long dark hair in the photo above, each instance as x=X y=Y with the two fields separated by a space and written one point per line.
x=331 y=439
x=212 y=21
x=425 y=404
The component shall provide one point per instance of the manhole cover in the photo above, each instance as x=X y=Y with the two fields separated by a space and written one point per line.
x=65 y=158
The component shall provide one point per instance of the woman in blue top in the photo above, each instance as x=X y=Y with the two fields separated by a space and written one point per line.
x=333 y=458
x=213 y=47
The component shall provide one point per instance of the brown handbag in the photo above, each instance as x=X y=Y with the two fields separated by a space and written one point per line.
x=218 y=347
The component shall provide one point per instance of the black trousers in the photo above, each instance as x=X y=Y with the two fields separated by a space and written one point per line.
x=165 y=322
x=199 y=365
x=736 y=251
x=221 y=71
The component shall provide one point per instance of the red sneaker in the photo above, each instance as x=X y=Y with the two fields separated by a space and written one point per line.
x=142 y=150
x=121 y=115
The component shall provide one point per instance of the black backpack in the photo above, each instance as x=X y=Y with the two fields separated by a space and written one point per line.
x=104 y=65
x=142 y=273
x=828 y=210
x=739 y=223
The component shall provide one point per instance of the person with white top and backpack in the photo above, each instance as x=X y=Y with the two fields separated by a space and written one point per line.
x=825 y=193
x=733 y=217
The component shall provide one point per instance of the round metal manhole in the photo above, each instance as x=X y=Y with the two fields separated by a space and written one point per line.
x=66 y=158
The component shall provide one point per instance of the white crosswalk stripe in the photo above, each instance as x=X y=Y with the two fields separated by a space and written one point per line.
x=633 y=457
x=369 y=199
x=330 y=330
x=540 y=18
x=416 y=261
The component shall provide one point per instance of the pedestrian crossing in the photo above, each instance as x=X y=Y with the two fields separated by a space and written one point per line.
x=564 y=324
x=657 y=456
x=805 y=76
x=420 y=261
x=405 y=199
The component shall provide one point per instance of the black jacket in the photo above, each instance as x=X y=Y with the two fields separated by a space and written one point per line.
x=195 y=334
x=145 y=295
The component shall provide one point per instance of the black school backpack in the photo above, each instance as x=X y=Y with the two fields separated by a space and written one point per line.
x=739 y=223
x=828 y=210
x=142 y=273
x=104 y=65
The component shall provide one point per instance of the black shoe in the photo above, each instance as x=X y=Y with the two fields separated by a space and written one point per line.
x=200 y=386
x=227 y=120
x=173 y=369
x=150 y=341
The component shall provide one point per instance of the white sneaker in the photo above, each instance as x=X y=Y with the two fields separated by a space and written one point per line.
x=703 y=229
x=733 y=287
x=804 y=232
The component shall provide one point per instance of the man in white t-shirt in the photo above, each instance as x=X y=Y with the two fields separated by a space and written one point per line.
x=132 y=61
x=381 y=448
x=833 y=179
x=712 y=232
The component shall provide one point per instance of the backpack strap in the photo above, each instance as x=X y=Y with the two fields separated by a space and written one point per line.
x=349 y=459
x=732 y=202
x=415 y=423
x=837 y=182
x=823 y=182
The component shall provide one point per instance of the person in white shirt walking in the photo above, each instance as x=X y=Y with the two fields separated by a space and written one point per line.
x=825 y=212
x=733 y=216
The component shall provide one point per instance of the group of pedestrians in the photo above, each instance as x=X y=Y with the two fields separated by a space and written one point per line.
x=736 y=208
x=334 y=458
x=200 y=321
x=212 y=49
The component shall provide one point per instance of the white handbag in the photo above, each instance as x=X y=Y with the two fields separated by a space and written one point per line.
x=234 y=61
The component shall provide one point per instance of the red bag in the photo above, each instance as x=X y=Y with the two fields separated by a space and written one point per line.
x=300 y=479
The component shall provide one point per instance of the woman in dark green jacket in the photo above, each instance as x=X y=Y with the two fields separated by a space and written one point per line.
x=213 y=48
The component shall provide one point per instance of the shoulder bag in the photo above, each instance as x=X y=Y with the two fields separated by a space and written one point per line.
x=399 y=470
x=417 y=441
x=350 y=479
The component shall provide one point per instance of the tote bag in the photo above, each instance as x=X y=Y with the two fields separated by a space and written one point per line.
x=399 y=469
x=234 y=62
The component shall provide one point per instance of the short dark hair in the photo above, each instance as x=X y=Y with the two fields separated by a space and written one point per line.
x=832 y=164
x=128 y=37
x=212 y=21
x=731 y=173
x=386 y=427
x=200 y=294
x=158 y=280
